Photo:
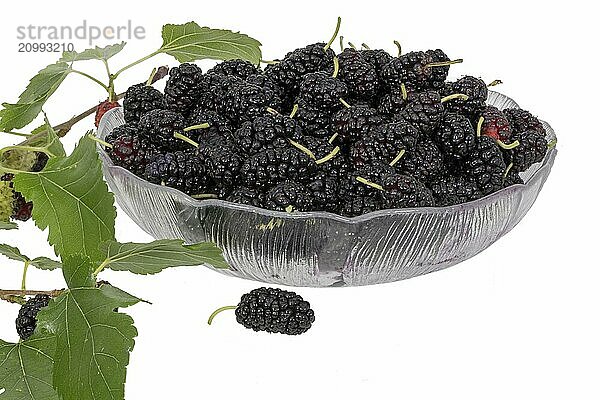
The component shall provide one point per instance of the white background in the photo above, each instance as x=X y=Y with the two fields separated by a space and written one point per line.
x=519 y=321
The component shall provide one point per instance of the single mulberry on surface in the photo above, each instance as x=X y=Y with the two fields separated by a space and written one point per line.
x=485 y=165
x=275 y=311
x=183 y=87
x=239 y=68
x=139 y=99
x=289 y=196
x=522 y=120
x=532 y=149
x=27 y=320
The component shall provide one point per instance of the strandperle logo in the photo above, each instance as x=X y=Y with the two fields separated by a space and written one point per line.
x=83 y=31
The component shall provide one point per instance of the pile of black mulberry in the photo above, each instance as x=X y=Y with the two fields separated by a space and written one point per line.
x=349 y=133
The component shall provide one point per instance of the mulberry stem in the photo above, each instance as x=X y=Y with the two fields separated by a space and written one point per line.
x=552 y=144
x=479 y=125
x=398 y=157
x=269 y=62
x=444 y=63
x=204 y=196
x=365 y=46
x=105 y=87
x=454 y=96
x=302 y=148
x=495 y=82
x=341 y=43
x=18 y=133
x=102 y=142
x=507 y=146
x=24 y=279
x=399 y=46
x=200 y=126
x=507 y=171
x=219 y=310
x=369 y=183
x=185 y=139
x=329 y=156
x=51 y=293
x=151 y=77
x=337 y=30
x=404 y=92
x=336 y=67
x=345 y=103
x=273 y=111
x=352 y=45
x=332 y=138
x=294 y=111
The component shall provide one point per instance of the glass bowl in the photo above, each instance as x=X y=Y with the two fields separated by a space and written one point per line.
x=320 y=248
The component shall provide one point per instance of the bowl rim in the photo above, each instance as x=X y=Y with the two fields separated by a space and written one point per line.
x=203 y=203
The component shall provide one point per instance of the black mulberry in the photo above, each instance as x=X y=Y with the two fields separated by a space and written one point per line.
x=139 y=99
x=289 y=196
x=272 y=310
x=183 y=87
x=485 y=165
x=239 y=68
x=27 y=320
x=532 y=149
x=130 y=150
x=184 y=171
x=521 y=121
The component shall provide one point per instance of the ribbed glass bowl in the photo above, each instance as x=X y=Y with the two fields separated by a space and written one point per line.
x=325 y=249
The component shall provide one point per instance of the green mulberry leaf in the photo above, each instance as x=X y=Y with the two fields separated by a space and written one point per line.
x=93 y=341
x=6 y=226
x=96 y=53
x=151 y=258
x=12 y=252
x=26 y=369
x=40 y=262
x=33 y=98
x=72 y=200
x=190 y=42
